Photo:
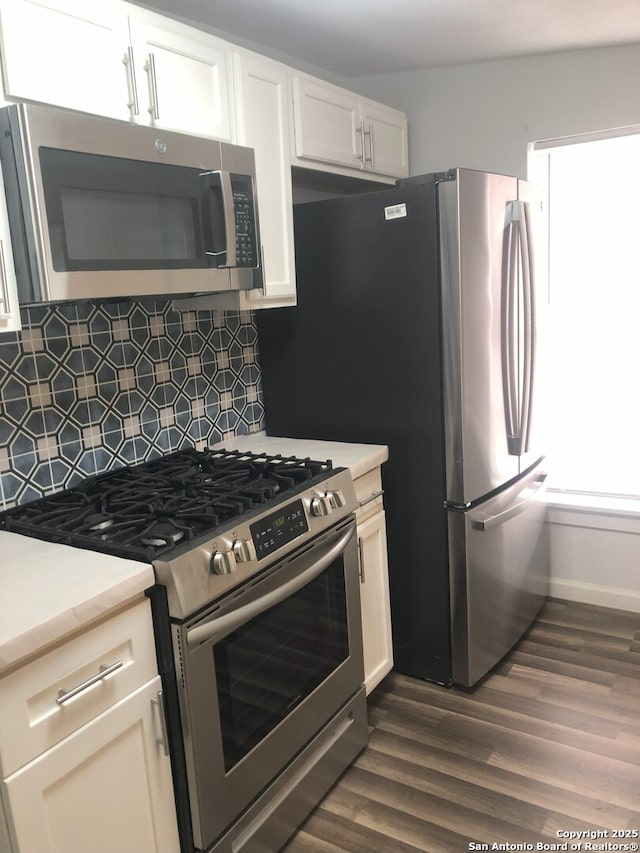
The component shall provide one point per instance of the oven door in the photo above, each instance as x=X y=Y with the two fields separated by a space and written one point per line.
x=264 y=671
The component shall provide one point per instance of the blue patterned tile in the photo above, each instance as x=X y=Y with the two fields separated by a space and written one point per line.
x=143 y=365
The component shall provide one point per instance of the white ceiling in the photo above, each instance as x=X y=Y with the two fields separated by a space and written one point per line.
x=355 y=38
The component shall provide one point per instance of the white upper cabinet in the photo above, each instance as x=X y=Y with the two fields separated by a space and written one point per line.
x=116 y=60
x=263 y=115
x=182 y=78
x=327 y=123
x=385 y=139
x=335 y=126
x=66 y=52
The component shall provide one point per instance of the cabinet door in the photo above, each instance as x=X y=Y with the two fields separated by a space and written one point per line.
x=66 y=52
x=374 y=598
x=9 y=308
x=182 y=79
x=262 y=100
x=327 y=123
x=385 y=140
x=105 y=788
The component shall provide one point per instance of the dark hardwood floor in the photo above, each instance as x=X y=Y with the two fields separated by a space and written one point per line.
x=549 y=742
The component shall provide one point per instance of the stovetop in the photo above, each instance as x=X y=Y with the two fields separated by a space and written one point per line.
x=144 y=511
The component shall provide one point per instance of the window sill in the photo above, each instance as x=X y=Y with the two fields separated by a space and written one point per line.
x=593 y=511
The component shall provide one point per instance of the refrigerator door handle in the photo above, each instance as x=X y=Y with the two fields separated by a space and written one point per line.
x=509 y=330
x=528 y=283
x=518 y=304
x=492 y=521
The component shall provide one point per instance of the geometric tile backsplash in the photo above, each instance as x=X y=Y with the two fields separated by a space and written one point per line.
x=90 y=386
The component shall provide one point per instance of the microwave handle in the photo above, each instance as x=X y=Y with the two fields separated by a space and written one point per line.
x=228 y=212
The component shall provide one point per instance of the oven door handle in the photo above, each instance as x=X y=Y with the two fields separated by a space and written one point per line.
x=219 y=626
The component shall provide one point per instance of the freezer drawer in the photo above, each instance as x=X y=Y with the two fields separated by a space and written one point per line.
x=499 y=568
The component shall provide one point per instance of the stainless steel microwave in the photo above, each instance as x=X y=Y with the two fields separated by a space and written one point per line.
x=99 y=208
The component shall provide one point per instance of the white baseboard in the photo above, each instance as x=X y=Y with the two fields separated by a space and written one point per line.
x=589 y=593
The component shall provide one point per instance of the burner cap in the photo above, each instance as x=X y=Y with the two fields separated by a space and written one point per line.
x=162 y=534
x=98 y=521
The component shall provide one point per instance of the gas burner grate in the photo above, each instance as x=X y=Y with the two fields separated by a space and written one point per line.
x=145 y=510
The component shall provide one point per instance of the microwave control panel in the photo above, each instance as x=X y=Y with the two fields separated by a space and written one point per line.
x=246 y=242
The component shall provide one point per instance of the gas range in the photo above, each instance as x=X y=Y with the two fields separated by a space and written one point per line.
x=257 y=625
x=207 y=520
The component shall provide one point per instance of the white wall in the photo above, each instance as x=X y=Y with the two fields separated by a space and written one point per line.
x=483 y=116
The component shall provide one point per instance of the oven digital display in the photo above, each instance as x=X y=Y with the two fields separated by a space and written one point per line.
x=275 y=530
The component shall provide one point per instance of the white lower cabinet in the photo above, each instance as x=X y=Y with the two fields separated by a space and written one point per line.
x=107 y=787
x=83 y=748
x=374 y=580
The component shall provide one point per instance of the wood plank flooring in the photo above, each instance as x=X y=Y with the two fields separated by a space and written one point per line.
x=549 y=742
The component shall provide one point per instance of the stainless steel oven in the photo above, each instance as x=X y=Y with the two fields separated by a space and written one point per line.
x=260 y=675
x=257 y=624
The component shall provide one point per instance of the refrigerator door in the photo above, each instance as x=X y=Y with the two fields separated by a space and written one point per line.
x=498 y=555
x=358 y=360
x=481 y=348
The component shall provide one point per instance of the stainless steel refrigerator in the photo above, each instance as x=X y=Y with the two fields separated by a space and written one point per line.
x=418 y=325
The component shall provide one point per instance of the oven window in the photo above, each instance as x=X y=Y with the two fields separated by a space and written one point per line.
x=268 y=666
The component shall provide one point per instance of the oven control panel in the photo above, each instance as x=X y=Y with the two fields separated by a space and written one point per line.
x=199 y=573
x=279 y=528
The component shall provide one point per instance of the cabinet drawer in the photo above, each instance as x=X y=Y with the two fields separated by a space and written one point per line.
x=51 y=697
x=369 y=493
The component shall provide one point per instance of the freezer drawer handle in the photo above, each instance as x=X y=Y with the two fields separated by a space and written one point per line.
x=495 y=520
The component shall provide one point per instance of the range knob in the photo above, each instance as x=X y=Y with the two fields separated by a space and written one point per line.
x=244 y=550
x=325 y=504
x=321 y=505
x=336 y=499
x=223 y=562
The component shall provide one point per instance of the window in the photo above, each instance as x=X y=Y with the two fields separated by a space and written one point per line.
x=594 y=286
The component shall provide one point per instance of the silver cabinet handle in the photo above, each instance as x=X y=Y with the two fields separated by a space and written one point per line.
x=132 y=103
x=362 y=156
x=368 y=133
x=162 y=740
x=361 y=560
x=5 y=311
x=371 y=498
x=150 y=68
x=65 y=695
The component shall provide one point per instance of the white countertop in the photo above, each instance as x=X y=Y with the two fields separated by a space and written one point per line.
x=359 y=458
x=49 y=590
